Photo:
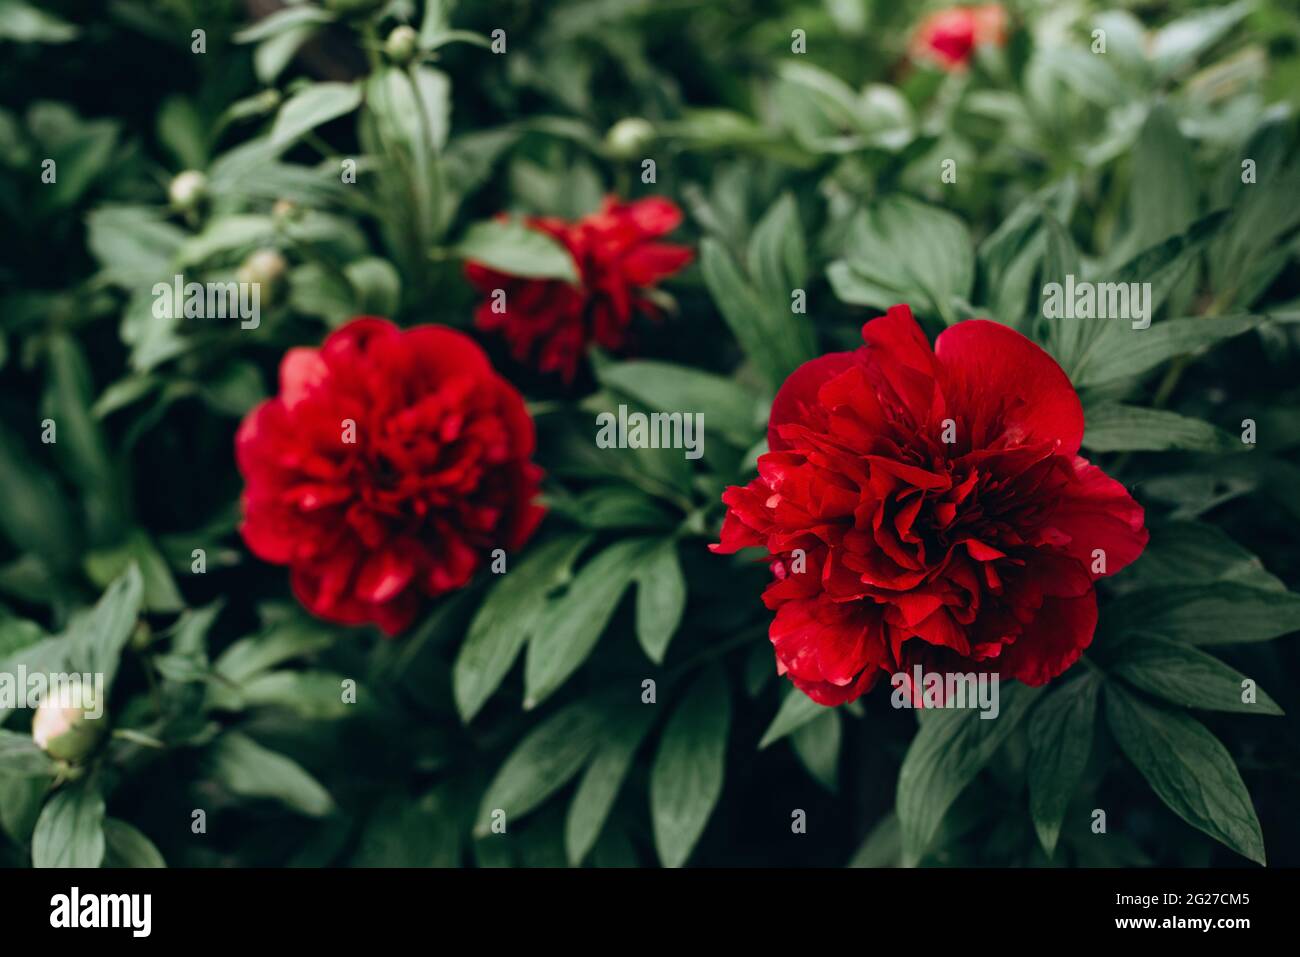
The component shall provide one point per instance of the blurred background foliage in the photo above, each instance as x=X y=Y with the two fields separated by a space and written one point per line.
x=818 y=171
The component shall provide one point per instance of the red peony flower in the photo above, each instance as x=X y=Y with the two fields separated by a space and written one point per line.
x=944 y=516
x=390 y=463
x=616 y=256
x=949 y=38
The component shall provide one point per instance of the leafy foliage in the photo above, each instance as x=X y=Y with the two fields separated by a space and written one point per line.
x=610 y=699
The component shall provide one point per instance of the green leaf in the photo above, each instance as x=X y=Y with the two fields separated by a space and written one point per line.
x=613 y=506
x=81 y=446
x=24 y=23
x=99 y=636
x=1113 y=427
x=134 y=245
x=514 y=249
x=274 y=53
x=280 y=21
x=36 y=517
x=774 y=337
x=127 y=846
x=295 y=637
x=160 y=591
x=1188 y=768
x=817 y=745
x=70 y=830
x=19 y=754
x=249 y=770
x=686 y=779
x=1178 y=43
x=1186 y=676
x=660 y=600
x=776 y=257
x=508 y=618
x=1224 y=613
x=1195 y=553
x=668 y=387
x=405 y=833
x=951 y=747
x=543 y=762
x=904 y=251
x=1163 y=195
x=313 y=695
x=599 y=787
x=571 y=625
x=883 y=846
x=796 y=710
x=1060 y=741
x=229 y=236
x=312 y=106
x=377 y=284
x=1126 y=352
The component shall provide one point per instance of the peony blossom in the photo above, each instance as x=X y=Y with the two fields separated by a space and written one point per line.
x=551 y=322
x=948 y=38
x=387 y=469
x=929 y=506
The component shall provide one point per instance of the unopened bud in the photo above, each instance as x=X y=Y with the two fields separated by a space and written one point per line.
x=188 y=190
x=628 y=137
x=67 y=733
x=265 y=267
x=401 y=45
x=285 y=211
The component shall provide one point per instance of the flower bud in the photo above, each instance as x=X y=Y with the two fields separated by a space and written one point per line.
x=265 y=267
x=67 y=733
x=285 y=211
x=629 y=136
x=401 y=45
x=142 y=636
x=188 y=190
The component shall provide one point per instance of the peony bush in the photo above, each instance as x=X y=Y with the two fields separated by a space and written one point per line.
x=597 y=434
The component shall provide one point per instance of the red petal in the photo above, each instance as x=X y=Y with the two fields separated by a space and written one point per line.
x=798 y=394
x=1054 y=640
x=999 y=376
x=1097 y=512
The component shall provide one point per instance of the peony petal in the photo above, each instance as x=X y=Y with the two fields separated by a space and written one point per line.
x=1053 y=641
x=797 y=397
x=994 y=372
x=1097 y=512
